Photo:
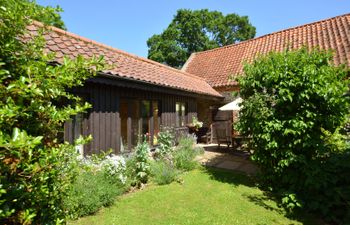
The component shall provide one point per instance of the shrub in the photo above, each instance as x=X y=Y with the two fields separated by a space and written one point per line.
x=294 y=105
x=196 y=123
x=142 y=162
x=163 y=172
x=101 y=178
x=131 y=171
x=90 y=192
x=36 y=169
x=165 y=144
x=185 y=154
x=112 y=166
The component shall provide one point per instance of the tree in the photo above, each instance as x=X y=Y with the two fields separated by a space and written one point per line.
x=51 y=16
x=198 y=30
x=294 y=109
x=35 y=167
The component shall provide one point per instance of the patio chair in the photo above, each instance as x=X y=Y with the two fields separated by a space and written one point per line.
x=222 y=137
x=222 y=132
x=204 y=135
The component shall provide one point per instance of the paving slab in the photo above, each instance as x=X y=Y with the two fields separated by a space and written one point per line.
x=226 y=159
x=229 y=165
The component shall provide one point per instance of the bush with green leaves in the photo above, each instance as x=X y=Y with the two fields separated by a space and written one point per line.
x=130 y=171
x=163 y=172
x=114 y=166
x=165 y=144
x=294 y=107
x=142 y=162
x=98 y=183
x=185 y=153
x=36 y=169
x=90 y=192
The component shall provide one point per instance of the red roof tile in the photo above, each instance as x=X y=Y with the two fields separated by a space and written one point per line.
x=125 y=65
x=218 y=64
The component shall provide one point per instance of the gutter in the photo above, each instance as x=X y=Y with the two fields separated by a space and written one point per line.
x=116 y=77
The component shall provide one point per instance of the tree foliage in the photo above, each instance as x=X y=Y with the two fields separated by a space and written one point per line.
x=198 y=30
x=294 y=108
x=35 y=167
x=51 y=16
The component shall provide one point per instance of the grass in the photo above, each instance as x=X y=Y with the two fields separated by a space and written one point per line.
x=207 y=196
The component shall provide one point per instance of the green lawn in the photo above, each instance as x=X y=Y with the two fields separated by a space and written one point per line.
x=207 y=196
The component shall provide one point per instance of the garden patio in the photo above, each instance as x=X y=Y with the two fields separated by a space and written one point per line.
x=229 y=159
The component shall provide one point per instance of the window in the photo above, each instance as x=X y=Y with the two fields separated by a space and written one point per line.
x=145 y=120
x=156 y=121
x=77 y=131
x=180 y=114
x=77 y=126
x=134 y=112
x=123 y=110
x=129 y=112
x=139 y=119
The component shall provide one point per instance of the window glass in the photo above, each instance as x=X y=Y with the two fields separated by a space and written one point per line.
x=145 y=119
x=124 y=124
x=180 y=114
x=156 y=121
x=183 y=114
x=135 y=122
x=77 y=125
x=138 y=119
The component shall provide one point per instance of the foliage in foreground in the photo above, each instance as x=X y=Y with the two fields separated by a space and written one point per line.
x=36 y=168
x=294 y=108
x=197 y=30
x=51 y=16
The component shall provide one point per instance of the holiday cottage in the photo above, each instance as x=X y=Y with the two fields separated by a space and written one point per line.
x=138 y=96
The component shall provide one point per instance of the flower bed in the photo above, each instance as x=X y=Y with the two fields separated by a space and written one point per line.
x=103 y=177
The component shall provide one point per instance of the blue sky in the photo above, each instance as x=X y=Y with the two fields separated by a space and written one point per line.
x=127 y=24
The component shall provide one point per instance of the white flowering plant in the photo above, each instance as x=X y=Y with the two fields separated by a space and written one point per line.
x=196 y=123
x=112 y=165
x=115 y=166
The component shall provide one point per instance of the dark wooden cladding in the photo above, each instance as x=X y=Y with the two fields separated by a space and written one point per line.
x=103 y=119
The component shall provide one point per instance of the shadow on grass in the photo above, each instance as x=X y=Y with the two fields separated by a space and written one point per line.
x=230 y=177
x=263 y=200
x=237 y=178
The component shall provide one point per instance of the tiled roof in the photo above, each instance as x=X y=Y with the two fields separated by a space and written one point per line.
x=125 y=65
x=218 y=64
